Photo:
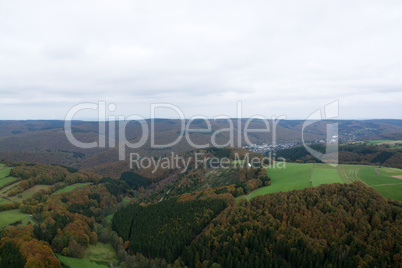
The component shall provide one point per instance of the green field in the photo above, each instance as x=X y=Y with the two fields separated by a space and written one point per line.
x=69 y=188
x=4 y=181
x=390 y=171
x=368 y=175
x=4 y=201
x=28 y=193
x=79 y=263
x=126 y=200
x=4 y=171
x=390 y=143
x=293 y=176
x=324 y=176
x=11 y=216
x=375 y=142
x=5 y=190
x=109 y=217
x=349 y=173
x=298 y=176
x=4 y=175
x=96 y=256
x=391 y=191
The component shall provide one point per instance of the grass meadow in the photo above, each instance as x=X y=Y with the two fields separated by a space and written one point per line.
x=4 y=201
x=4 y=171
x=69 y=188
x=12 y=216
x=299 y=176
x=293 y=176
x=4 y=175
x=28 y=193
x=324 y=176
x=99 y=255
x=390 y=143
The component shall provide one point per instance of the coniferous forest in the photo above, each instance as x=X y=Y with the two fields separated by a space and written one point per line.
x=327 y=226
x=162 y=230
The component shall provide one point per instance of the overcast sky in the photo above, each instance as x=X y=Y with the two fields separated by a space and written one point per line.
x=276 y=57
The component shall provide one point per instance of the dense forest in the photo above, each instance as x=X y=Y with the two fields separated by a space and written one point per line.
x=162 y=230
x=191 y=219
x=328 y=226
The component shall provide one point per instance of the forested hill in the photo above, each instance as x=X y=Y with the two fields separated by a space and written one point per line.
x=44 y=141
x=164 y=229
x=337 y=225
x=327 y=226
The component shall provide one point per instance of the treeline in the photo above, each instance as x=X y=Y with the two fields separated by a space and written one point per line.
x=135 y=180
x=64 y=223
x=35 y=174
x=250 y=178
x=9 y=206
x=19 y=248
x=236 y=181
x=348 y=154
x=67 y=220
x=163 y=229
x=128 y=182
x=336 y=225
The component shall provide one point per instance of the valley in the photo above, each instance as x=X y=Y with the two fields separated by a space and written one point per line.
x=236 y=205
x=200 y=134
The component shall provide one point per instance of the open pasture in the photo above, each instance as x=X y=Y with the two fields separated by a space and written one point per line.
x=4 y=171
x=371 y=175
x=4 y=201
x=5 y=175
x=69 y=188
x=28 y=193
x=12 y=216
x=292 y=176
x=99 y=255
x=390 y=143
x=390 y=191
x=324 y=176
x=298 y=176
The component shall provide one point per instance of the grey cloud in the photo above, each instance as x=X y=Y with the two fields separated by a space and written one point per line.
x=276 y=57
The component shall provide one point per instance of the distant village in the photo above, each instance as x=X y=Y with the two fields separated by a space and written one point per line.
x=269 y=147
x=265 y=147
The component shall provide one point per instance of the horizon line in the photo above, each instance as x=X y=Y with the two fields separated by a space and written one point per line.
x=235 y=118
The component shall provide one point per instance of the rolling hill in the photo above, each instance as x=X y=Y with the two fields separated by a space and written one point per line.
x=44 y=141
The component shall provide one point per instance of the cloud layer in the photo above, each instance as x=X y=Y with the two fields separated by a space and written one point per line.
x=277 y=57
